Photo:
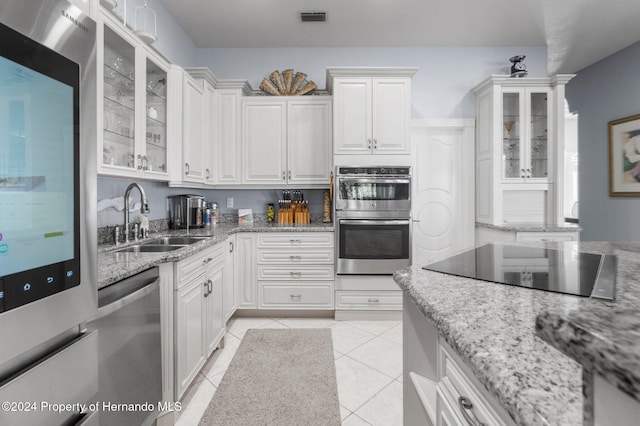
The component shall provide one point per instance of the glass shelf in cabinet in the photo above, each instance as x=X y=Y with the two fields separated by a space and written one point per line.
x=155 y=122
x=126 y=139
x=113 y=106
x=112 y=74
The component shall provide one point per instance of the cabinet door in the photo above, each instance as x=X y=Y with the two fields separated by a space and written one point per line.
x=264 y=142
x=154 y=159
x=190 y=351
x=309 y=154
x=228 y=290
x=352 y=116
x=228 y=142
x=118 y=104
x=209 y=133
x=513 y=135
x=391 y=114
x=245 y=271
x=214 y=317
x=192 y=131
x=538 y=152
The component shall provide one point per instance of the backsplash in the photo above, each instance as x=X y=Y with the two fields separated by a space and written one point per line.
x=106 y=234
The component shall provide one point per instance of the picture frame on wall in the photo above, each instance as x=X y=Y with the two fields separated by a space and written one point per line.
x=624 y=157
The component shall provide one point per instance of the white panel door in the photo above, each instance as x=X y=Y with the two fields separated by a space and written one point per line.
x=391 y=103
x=442 y=188
x=228 y=137
x=192 y=131
x=352 y=125
x=309 y=141
x=264 y=142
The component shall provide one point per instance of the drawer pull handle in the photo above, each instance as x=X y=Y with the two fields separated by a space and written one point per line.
x=296 y=274
x=296 y=296
x=206 y=285
x=374 y=300
x=294 y=241
x=205 y=261
x=295 y=257
x=466 y=407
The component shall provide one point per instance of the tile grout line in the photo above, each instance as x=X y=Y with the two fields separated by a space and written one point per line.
x=373 y=396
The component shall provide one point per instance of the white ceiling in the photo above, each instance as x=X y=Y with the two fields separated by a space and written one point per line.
x=577 y=33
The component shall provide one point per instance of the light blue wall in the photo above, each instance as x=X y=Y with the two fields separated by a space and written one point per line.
x=440 y=89
x=604 y=91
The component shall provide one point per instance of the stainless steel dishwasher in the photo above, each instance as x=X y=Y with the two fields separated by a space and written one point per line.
x=129 y=350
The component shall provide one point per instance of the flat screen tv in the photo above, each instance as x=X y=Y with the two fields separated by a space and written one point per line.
x=39 y=171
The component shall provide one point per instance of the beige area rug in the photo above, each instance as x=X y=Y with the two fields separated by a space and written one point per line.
x=279 y=378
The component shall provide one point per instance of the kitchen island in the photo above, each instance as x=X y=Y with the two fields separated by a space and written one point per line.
x=491 y=328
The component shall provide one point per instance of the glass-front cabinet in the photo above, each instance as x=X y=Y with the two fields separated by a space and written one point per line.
x=132 y=86
x=525 y=132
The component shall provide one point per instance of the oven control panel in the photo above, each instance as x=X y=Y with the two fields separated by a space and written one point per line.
x=375 y=171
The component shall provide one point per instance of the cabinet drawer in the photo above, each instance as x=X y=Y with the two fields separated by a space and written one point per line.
x=546 y=236
x=294 y=257
x=295 y=272
x=190 y=267
x=295 y=239
x=369 y=300
x=311 y=295
x=455 y=382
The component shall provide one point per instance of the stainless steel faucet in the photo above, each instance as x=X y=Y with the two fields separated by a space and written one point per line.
x=144 y=208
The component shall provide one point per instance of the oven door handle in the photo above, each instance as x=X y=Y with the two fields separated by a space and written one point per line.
x=372 y=222
x=374 y=180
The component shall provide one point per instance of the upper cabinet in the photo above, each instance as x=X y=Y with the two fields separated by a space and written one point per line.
x=371 y=109
x=132 y=84
x=286 y=140
x=519 y=139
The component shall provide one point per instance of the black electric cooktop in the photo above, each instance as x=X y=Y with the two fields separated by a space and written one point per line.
x=565 y=271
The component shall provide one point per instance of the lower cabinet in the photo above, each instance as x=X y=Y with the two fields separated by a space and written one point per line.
x=229 y=292
x=295 y=270
x=199 y=312
x=245 y=271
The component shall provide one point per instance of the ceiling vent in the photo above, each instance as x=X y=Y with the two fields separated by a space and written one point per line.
x=313 y=16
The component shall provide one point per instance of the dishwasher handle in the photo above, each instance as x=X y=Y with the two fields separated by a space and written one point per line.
x=127 y=291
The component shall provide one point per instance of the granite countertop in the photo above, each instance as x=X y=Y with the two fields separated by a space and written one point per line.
x=531 y=227
x=113 y=266
x=493 y=328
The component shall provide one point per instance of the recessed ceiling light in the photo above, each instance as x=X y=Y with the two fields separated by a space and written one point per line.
x=313 y=16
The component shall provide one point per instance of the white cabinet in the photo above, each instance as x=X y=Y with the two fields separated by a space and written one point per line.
x=132 y=86
x=199 y=317
x=512 y=234
x=245 y=270
x=295 y=270
x=519 y=138
x=227 y=142
x=193 y=130
x=190 y=353
x=230 y=303
x=371 y=110
x=286 y=141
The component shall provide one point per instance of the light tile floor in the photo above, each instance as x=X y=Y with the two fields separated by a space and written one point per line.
x=368 y=356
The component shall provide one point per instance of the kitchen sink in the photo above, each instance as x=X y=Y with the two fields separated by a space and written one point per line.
x=149 y=248
x=182 y=241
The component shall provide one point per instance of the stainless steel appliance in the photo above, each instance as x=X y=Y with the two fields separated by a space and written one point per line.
x=563 y=270
x=373 y=220
x=48 y=247
x=129 y=352
x=186 y=211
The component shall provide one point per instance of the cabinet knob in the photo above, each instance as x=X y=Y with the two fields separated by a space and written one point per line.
x=186 y=168
x=466 y=407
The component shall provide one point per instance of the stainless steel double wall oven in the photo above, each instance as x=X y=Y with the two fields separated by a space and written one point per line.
x=373 y=219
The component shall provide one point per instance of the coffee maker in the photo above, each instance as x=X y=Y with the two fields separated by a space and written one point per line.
x=186 y=211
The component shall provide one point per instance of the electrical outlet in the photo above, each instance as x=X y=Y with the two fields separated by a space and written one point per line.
x=229 y=202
